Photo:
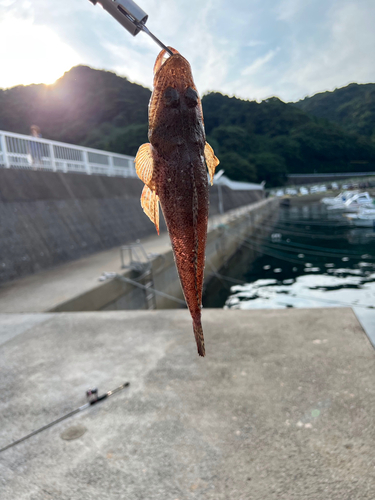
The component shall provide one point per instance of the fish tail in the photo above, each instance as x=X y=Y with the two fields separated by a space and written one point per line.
x=198 y=332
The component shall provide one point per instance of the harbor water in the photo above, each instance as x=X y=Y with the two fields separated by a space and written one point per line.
x=311 y=257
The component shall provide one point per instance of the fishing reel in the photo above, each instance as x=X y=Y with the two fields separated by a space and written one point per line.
x=130 y=16
x=92 y=395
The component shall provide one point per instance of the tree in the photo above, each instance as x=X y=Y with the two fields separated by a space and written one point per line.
x=237 y=167
x=127 y=140
x=271 y=168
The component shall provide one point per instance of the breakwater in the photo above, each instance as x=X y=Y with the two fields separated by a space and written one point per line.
x=50 y=218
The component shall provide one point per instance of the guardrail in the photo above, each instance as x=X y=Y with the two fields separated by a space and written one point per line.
x=27 y=152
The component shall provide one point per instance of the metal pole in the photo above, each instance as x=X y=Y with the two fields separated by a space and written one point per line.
x=53 y=161
x=111 y=171
x=146 y=30
x=86 y=162
x=131 y=17
x=4 y=150
x=221 y=207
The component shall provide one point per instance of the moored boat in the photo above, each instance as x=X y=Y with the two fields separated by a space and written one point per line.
x=354 y=203
x=340 y=198
x=365 y=217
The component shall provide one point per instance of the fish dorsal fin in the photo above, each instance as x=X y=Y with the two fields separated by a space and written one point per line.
x=211 y=161
x=144 y=164
x=150 y=205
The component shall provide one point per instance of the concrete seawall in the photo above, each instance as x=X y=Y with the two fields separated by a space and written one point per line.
x=77 y=285
x=50 y=218
x=225 y=235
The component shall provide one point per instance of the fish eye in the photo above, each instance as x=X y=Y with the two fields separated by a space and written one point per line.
x=191 y=97
x=171 y=97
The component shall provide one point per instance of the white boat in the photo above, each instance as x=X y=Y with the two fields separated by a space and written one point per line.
x=340 y=198
x=364 y=218
x=318 y=189
x=354 y=203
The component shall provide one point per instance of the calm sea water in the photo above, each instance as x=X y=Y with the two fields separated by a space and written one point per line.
x=311 y=258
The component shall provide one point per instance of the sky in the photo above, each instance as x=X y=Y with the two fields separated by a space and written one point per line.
x=252 y=49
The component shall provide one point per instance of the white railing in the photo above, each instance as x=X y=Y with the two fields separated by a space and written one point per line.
x=27 y=152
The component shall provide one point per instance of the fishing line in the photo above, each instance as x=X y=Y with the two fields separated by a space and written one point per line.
x=148 y=288
x=94 y=398
x=221 y=276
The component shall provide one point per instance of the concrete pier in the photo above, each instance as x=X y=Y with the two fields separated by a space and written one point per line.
x=282 y=407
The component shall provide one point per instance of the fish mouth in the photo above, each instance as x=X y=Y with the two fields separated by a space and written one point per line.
x=172 y=70
x=162 y=58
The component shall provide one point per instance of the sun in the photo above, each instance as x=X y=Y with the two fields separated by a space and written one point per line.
x=32 y=54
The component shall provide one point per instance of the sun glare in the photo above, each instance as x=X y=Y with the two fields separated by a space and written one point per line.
x=37 y=56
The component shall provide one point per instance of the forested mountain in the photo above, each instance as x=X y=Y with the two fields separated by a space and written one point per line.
x=352 y=107
x=254 y=141
x=86 y=106
x=267 y=140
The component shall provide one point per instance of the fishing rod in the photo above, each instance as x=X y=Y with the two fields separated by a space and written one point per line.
x=93 y=398
x=130 y=16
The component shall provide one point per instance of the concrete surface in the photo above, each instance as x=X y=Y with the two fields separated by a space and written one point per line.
x=366 y=317
x=75 y=286
x=47 y=289
x=282 y=407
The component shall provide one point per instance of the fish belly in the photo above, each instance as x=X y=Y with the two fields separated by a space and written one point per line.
x=183 y=194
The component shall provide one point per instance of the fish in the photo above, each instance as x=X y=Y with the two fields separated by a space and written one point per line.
x=172 y=167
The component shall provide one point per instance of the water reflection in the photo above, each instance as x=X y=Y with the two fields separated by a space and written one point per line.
x=312 y=258
x=308 y=290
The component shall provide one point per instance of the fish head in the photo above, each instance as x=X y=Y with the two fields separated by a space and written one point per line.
x=173 y=82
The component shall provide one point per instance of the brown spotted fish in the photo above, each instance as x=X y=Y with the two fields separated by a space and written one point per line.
x=173 y=168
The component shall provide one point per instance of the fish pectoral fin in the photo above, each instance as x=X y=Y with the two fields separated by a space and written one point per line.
x=211 y=161
x=144 y=164
x=150 y=205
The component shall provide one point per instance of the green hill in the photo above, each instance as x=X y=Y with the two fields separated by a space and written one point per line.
x=352 y=107
x=254 y=141
x=267 y=140
x=86 y=107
